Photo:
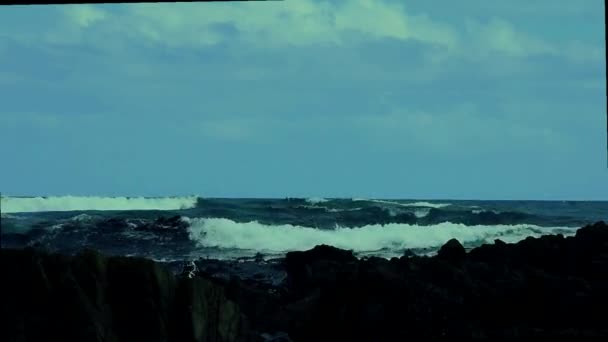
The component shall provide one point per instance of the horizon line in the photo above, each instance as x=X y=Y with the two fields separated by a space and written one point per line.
x=309 y=197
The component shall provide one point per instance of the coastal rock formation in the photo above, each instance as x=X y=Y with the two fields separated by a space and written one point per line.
x=551 y=286
x=89 y=297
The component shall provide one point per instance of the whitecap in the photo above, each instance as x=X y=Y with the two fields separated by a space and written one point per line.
x=316 y=200
x=395 y=237
x=410 y=204
x=78 y=203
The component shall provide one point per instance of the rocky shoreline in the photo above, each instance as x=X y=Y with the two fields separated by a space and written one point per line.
x=547 y=287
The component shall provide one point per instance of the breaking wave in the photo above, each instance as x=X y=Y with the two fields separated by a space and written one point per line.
x=78 y=203
x=427 y=205
x=420 y=213
x=388 y=240
x=316 y=200
x=409 y=204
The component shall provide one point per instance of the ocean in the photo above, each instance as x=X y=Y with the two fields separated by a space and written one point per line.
x=172 y=229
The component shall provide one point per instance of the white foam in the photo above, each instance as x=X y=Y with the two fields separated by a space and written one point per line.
x=329 y=210
x=420 y=213
x=427 y=205
x=82 y=218
x=411 y=204
x=316 y=200
x=359 y=199
x=335 y=210
x=480 y=211
x=71 y=203
x=394 y=238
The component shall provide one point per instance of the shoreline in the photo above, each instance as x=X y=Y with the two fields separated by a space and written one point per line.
x=552 y=286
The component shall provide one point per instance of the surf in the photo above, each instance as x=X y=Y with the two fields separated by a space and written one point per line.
x=383 y=240
x=82 y=203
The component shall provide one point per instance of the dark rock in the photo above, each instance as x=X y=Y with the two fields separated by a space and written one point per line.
x=452 y=250
x=321 y=252
x=539 y=287
x=322 y=265
x=408 y=253
x=276 y=337
x=89 y=297
x=259 y=257
x=550 y=286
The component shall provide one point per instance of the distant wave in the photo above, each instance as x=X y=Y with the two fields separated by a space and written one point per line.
x=411 y=204
x=72 y=203
x=329 y=210
x=481 y=211
x=228 y=234
x=82 y=218
x=334 y=210
x=316 y=200
x=427 y=205
x=420 y=213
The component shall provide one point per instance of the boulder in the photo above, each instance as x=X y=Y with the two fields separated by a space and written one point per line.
x=452 y=251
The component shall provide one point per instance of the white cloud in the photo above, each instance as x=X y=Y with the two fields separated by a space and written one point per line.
x=85 y=15
x=298 y=23
x=301 y=22
x=500 y=36
x=304 y=23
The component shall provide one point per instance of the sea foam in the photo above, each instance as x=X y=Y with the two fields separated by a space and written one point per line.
x=408 y=204
x=73 y=203
x=391 y=238
x=316 y=200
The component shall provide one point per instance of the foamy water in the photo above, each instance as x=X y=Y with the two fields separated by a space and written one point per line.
x=388 y=240
x=73 y=203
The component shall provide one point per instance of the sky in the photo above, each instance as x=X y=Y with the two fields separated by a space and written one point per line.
x=468 y=99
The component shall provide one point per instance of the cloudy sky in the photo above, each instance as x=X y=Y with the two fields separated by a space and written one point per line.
x=468 y=99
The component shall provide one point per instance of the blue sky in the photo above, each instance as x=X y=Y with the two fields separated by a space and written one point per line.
x=360 y=98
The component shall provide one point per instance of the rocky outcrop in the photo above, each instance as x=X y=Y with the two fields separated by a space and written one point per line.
x=550 y=286
x=89 y=297
x=547 y=287
x=452 y=251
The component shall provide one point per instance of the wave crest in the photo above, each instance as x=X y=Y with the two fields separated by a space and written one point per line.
x=78 y=203
x=316 y=200
x=402 y=204
x=391 y=239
